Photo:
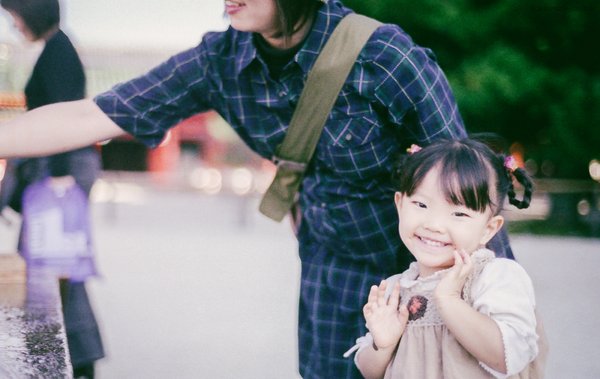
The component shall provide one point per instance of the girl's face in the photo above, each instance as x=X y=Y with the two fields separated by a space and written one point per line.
x=20 y=25
x=432 y=228
x=257 y=16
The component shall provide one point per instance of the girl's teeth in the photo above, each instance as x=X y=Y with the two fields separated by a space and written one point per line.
x=432 y=242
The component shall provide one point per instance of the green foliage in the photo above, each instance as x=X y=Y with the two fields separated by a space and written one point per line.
x=525 y=69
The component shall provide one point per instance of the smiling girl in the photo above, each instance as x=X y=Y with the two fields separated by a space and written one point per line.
x=457 y=312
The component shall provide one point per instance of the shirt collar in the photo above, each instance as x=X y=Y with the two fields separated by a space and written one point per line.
x=246 y=50
x=328 y=16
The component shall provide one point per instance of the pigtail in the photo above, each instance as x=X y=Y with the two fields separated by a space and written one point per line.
x=498 y=145
x=524 y=179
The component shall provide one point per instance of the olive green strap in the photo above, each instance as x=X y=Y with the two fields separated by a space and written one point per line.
x=322 y=88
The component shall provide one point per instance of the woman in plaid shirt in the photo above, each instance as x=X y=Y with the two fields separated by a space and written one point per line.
x=252 y=74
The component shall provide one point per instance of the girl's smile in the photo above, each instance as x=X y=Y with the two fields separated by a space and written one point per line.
x=432 y=250
x=432 y=242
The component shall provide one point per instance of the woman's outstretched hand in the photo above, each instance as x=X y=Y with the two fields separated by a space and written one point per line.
x=386 y=319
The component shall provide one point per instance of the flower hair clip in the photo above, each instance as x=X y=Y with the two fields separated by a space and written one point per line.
x=510 y=163
x=413 y=149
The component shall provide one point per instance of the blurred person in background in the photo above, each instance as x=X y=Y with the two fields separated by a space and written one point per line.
x=57 y=76
x=252 y=74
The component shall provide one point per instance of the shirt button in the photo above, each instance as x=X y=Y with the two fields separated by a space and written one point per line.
x=282 y=94
x=322 y=205
x=348 y=137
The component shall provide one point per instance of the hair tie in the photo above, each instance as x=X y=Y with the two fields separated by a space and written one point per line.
x=413 y=149
x=510 y=163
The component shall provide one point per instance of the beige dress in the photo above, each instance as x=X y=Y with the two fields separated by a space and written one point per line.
x=499 y=288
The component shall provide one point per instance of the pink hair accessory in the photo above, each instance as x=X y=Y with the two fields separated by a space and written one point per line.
x=413 y=149
x=510 y=163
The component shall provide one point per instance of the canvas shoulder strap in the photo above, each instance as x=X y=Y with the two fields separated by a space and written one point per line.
x=323 y=84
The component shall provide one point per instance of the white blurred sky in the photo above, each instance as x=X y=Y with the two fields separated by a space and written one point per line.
x=155 y=24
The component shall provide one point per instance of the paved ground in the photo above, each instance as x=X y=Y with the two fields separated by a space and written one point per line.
x=204 y=287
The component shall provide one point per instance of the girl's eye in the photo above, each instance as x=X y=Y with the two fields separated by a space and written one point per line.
x=460 y=214
x=419 y=204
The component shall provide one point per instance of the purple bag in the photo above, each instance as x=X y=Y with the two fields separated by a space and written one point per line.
x=56 y=230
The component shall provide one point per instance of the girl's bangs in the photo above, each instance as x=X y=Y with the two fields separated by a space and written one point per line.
x=466 y=183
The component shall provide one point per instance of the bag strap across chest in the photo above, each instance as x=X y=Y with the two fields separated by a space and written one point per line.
x=323 y=84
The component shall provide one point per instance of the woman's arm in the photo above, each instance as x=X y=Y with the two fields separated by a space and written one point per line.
x=56 y=128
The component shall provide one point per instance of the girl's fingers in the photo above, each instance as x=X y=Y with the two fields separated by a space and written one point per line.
x=381 y=293
x=367 y=310
x=468 y=263
x=458 y=261
x=460 y=255
x=403 y=313
x=466 y=257
x=395 y=296
x=465 y=261
x=377 y=296
x=372 y=294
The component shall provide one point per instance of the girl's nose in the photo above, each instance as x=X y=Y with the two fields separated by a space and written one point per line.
x=434 y=224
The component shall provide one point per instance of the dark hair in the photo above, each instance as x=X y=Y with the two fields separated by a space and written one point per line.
x=467 y=169
x=293 y=14
x=40 y=16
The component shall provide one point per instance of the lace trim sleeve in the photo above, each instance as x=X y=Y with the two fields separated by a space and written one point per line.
x=505 y=293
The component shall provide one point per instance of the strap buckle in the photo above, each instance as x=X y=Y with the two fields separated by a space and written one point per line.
x=288 y=165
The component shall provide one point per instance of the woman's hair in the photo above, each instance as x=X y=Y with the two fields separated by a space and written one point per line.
x=40 y=16
x=471 y=174
x=293 y=14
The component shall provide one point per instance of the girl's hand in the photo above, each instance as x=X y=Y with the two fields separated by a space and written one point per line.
x=453 y=282
x=385 y=320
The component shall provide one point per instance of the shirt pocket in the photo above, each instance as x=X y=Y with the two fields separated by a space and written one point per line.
x=355 y=147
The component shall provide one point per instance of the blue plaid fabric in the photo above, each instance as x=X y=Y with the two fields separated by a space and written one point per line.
x=395 y=95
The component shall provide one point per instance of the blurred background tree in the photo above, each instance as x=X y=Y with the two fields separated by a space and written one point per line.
x=525 y=69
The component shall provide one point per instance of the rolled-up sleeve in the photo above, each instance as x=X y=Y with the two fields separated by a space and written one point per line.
x=147 y=106
x=504 y=292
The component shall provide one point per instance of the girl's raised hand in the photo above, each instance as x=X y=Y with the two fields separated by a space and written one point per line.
x=453 y=282
x=386 y=320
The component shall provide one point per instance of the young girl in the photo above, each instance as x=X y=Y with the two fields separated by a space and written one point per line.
x=457 y=312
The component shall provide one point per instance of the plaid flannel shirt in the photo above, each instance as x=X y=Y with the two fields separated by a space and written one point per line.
x=395 y=95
